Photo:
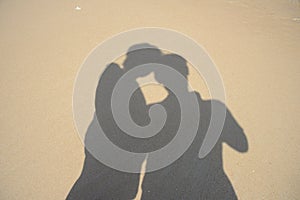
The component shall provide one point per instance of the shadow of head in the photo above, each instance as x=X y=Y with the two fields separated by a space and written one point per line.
x=140 y=54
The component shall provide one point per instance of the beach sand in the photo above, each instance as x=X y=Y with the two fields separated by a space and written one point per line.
x=255 y=44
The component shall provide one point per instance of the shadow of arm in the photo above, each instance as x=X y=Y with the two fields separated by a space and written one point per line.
x=233 y=134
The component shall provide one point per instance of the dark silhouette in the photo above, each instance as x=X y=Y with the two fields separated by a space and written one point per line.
x=98 y=181
x=188 y=177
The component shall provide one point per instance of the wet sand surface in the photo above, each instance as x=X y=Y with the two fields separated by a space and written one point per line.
x=256 y=46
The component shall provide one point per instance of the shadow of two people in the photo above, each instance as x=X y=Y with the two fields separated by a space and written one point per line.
x=188 y=177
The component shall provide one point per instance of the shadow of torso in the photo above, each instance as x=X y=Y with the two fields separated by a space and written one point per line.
x=190 y=177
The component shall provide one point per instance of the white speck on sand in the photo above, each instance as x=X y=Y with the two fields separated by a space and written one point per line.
x=296 y=19
x=77 y=8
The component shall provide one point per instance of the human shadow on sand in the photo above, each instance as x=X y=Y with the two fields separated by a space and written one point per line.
x=188 y=177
